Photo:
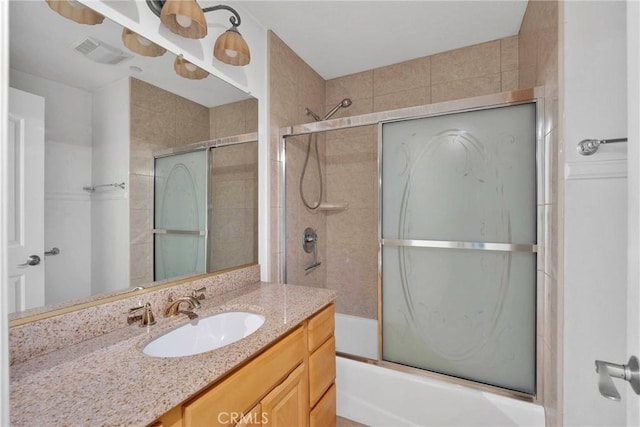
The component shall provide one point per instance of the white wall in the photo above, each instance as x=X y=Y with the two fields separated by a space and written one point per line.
x=595 y=208
x=110 y=206
x=67 y=170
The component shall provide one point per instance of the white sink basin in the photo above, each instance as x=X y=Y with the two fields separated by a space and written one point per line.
x=204 y=334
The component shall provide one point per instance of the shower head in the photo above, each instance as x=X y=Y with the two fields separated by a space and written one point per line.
x=342 y=104
x=308 y=112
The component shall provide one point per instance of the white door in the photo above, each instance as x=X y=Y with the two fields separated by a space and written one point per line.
x=25 y=200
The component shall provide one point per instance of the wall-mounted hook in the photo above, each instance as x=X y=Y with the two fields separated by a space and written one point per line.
x=607 y=371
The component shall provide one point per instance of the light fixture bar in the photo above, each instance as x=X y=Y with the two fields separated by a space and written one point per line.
x=186 y=18
x=156 y=8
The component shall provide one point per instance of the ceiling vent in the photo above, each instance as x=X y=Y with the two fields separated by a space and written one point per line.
x=100 y=52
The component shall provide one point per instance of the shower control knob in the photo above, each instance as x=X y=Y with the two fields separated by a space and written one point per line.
x=309 y=239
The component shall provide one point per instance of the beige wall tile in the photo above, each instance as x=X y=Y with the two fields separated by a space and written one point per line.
x=459 y=89
x=142 y=269
x=149 y=126
x=152 y=97
x=355 y=86
x=141 y=192
x=251 y=115
x=466 y=63
x=141 y=164
x=407 y=98
x=510 y=80
x=509 y=53
x=229 y=120
x=141 y=226
x=402 y=76
x=527 y=77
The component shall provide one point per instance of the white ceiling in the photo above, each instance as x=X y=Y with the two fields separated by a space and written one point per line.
x=41 y=44
x=337 y=38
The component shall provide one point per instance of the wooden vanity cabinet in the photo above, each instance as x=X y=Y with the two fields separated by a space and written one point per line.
x=322 y=368
x=289 y=384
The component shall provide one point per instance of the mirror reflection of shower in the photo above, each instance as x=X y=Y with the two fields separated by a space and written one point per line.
x=313 y=137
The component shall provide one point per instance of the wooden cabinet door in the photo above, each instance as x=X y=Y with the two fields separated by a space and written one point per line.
x=287 y=404
x=252 y=419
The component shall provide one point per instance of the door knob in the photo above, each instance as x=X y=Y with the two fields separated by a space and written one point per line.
x=607 y=370
x=52 y=252
x=32 y=260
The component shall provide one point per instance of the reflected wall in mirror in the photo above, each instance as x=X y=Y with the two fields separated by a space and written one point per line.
x=102 y=125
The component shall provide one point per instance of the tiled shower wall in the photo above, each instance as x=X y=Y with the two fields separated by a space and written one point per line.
x=349 y=255
x=527 y=60
x=294 y=86
x=539 y=66
x=352 y=154
x=160 y=120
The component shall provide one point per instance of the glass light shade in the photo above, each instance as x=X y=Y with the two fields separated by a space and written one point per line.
x=184 y=17
x=187 y=70
x=141 y=45
x=76 y=12
x=231 y=48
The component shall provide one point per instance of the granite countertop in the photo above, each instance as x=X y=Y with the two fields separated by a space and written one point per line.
x=108 y=380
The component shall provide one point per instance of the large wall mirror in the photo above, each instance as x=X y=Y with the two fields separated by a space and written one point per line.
x=123 y=184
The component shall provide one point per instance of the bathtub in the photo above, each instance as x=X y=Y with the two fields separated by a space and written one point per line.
x=378 y=396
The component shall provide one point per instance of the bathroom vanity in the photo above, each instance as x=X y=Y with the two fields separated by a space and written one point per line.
x=292 y=383
x=282 y=374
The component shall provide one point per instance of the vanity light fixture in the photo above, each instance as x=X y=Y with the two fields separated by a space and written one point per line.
x=186 y=18
x=140 y=45
x=186 y=69
x=75 y=11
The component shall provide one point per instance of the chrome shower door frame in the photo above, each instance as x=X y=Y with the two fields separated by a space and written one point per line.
x=208 y=147
x=504 y=99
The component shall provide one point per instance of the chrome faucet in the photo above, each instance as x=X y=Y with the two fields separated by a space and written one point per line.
x=173 y=307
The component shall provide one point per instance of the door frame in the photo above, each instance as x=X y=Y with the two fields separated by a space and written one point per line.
x=633 y=197
x=4 y=273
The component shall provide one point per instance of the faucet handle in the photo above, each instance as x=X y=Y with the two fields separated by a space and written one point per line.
x=199 y=293
x=146 y=318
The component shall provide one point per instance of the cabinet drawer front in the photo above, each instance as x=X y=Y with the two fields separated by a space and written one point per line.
x=324 y=414
x=321 y=327
x=238 y=393
x=322 y=370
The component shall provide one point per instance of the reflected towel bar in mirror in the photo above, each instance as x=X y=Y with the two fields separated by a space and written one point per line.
x=587 y=147
x=92 y=188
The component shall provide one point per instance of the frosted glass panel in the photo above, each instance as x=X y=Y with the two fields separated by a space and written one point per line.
x=472 y=175
x=470 y=314
x=180 y=206
x=466 y=177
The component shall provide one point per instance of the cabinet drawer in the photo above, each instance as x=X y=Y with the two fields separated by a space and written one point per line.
x=322 y=370
x=321 y=327
x=324 y=414
x=243 y=389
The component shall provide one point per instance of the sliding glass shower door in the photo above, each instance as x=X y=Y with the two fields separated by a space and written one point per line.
x=458 y=235
x=180 y=223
